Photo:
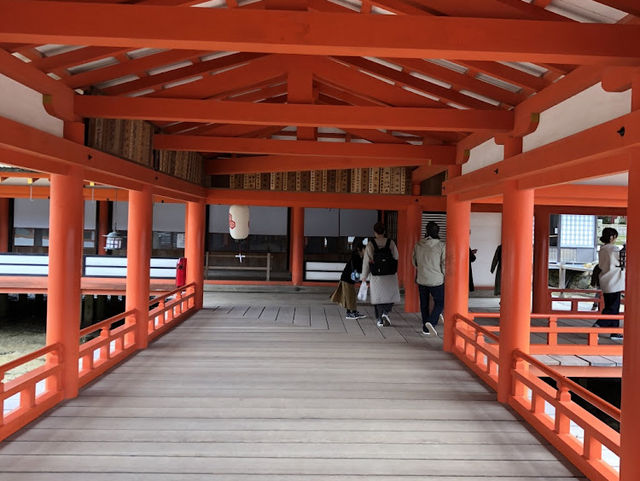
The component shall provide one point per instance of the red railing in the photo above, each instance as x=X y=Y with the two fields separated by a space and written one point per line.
x=29 y=395
x=477 y=347
x=102 y=346
x=170 y=309
x=552 y=410
x=590 y=335
x=112 y=345
x=557 y=295
x=549 y=410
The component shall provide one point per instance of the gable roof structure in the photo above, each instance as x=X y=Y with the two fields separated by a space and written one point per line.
x=353 y=83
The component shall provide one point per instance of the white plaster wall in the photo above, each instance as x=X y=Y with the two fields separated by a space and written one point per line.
x=587 y=109
x=484 y=154
x=21 y=104
x=168 y=217
x=485 y=236
x=34 y=214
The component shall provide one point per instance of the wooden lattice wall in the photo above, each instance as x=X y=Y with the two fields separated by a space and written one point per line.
x=388 y=180
x=133 y=140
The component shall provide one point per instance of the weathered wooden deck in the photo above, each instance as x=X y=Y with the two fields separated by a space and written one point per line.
x=284 y=393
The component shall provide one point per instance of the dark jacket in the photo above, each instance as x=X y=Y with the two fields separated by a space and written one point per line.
x=354 y=264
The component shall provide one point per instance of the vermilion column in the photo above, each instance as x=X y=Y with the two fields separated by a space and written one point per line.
x=66 y=223
x=541 y=260
x=5 y=228
x=456 y=278
x=297 y=245
x=103 y=225
x=411 y=297
x=138 y=260
x=515 y=306
x=630 y=414
x=194 y=247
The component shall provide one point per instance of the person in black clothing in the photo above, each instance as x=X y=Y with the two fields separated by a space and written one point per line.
x=345 y=293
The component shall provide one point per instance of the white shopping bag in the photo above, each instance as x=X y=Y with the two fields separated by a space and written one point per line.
x=362 y=292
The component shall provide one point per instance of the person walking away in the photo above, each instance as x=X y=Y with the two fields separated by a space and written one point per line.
x=380 y=265
x=612 y=279
x=429 y=259
x=496 y=265
x=345 y=293
x=472 y=258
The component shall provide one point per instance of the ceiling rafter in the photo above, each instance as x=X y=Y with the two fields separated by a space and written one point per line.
x=176 y=75
x=408 y=80
x=268 y=68
x=359 y=83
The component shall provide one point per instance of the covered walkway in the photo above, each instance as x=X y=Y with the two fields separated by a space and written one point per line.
x=284 y=392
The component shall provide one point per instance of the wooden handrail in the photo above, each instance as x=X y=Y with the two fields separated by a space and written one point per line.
x=29 y=357
x=588 y=396
x=106 y=323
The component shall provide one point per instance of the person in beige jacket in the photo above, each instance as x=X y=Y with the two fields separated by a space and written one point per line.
x=428 y=259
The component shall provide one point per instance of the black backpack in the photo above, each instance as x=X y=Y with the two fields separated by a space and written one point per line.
x=383 y=262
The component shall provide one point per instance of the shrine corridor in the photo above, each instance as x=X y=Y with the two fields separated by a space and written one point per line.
x=290 y=392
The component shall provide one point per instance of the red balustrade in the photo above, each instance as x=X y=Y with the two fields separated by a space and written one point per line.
x=531 y=399
x=29 y=395
x=102 y=346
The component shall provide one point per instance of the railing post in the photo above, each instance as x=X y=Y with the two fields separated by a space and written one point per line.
x=138 y=260
x=541 y=260
x=562 y=422
x=517 y=253
x=456 y=279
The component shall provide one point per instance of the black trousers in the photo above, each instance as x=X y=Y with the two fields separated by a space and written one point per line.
x=611 y=306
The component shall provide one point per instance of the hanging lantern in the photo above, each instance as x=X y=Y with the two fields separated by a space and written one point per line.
x=113 y=241
x=239 y=221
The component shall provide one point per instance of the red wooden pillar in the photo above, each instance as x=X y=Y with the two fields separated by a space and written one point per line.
x=456 y=279
x=630 y=414
x=411 y=296
x=194 y=247
x=515 y=307
x=297 y=245
x=5 y=228
x=66 y=225
x=103 y=225
x=138 y=260
x=541 y=260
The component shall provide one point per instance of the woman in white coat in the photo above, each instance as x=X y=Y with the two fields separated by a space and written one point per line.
x=384 y=288
x=611 y=278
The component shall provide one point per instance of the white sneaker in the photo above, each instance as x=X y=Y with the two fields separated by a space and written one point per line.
x=385 y=320
x=431 y=329
x=441 y=319
x=380 y=323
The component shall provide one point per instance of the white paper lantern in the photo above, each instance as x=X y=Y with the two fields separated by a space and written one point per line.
x=239 y=221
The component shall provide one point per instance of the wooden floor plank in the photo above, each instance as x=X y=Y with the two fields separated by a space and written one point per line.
x=247 y=393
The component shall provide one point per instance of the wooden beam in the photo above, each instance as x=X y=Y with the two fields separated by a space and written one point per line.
x=292 y=163
x=316 y=33
x=57 y=98
x=425 y=172
x=34 y=149
x=419 y=154
x=322 y=199
x=212 y=111
x=616 y=137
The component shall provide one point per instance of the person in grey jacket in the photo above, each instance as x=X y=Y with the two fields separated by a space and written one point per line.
x=428 y=259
